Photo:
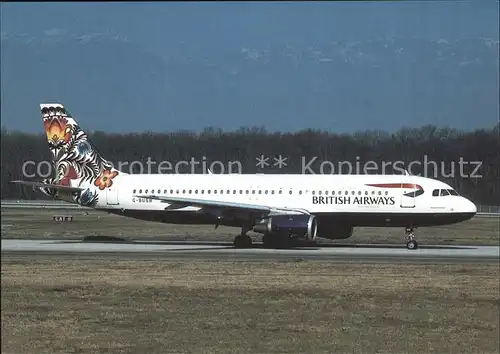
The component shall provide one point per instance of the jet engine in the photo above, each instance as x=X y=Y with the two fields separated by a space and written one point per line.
x=301 y=226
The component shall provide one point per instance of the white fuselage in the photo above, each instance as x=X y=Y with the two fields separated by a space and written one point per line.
x=317 y=194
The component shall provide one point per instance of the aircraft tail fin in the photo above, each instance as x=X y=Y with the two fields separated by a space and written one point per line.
x=76 y=160
x=78 y=165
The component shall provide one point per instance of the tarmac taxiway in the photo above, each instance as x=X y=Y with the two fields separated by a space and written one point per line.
x=224 y=251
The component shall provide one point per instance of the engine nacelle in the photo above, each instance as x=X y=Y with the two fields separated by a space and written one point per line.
x=302 y=226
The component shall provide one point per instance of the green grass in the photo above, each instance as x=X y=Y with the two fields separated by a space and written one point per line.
x=72 y=306
x=38 y=224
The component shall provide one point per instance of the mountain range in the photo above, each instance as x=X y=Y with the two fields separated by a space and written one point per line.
x=113 y=84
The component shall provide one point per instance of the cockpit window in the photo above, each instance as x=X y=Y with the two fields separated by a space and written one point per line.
x=444 y=192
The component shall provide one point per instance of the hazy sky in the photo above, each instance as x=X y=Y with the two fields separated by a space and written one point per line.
x=152 y=24
x=186 y=41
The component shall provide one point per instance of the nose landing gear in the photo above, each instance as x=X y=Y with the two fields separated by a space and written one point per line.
x=411 y=243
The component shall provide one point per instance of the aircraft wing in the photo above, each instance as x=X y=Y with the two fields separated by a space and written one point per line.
x=176 y=202
x=47 y=185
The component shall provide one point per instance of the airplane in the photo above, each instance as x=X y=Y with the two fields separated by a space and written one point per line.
x=284 y=208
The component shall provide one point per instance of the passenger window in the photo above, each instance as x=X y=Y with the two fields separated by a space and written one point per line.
x=435 y=192
x=133 y=191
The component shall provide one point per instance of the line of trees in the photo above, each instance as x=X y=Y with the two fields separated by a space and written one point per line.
x=469 y=161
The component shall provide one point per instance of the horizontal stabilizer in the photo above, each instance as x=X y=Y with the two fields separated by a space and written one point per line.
x=52 y=186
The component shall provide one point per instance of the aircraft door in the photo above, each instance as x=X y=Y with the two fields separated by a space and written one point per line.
x=112 y=195
x=408 y=195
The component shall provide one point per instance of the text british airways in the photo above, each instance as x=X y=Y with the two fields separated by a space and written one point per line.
x=353 y=200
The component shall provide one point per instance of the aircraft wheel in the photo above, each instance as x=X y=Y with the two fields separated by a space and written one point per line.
x=267 y=241
x=242 y=241
x=412 y=245
x=283 y=241
x=279 y=241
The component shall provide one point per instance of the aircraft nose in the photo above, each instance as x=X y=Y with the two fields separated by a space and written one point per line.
x=469 y=207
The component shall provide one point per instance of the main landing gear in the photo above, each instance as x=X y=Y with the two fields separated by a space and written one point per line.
x=411 y=243
x=281 y=240
x=243 y=240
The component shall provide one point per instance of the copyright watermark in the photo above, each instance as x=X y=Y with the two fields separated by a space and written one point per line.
x=425 y=167
x=306 y=165
x=45 y=169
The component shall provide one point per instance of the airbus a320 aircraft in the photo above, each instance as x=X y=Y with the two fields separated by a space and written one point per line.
x=284 y=208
